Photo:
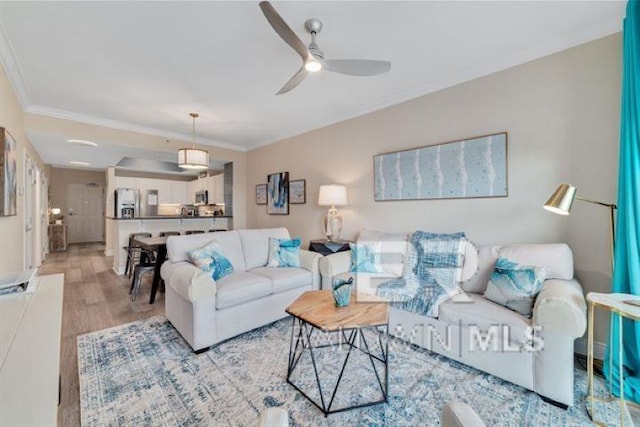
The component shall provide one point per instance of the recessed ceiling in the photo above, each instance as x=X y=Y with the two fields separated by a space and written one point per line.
x=56 y=151
x=147 y=64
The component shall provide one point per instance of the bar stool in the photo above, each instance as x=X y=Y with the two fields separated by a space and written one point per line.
x=194 y=232
x=169 y=233
x=134 y=252
x=139 y=272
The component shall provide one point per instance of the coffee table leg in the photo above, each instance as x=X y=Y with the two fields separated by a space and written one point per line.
x=383 y=389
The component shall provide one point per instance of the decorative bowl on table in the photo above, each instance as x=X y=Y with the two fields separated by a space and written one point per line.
x=342 y=291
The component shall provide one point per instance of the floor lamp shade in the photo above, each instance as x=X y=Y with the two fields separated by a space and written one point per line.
x=561 y=200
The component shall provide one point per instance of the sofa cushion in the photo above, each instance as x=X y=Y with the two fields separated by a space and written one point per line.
x=392 y=251
x=255 y=244
x=515 y=286
x=285 y=278
x=557 y=256
x=178 y=247
x=480 y=312
x=241 y=287
x=365 y=257
x=475 y=275
x=284 y=253
x=211 y=260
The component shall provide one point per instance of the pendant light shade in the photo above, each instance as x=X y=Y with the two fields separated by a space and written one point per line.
x=193 y=158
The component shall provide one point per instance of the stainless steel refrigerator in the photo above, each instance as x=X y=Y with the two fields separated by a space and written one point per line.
x=148 y=203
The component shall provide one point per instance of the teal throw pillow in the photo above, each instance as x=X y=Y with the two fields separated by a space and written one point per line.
x=284 y=253
x=365 y=258
x=210 y=259
x=515 y=286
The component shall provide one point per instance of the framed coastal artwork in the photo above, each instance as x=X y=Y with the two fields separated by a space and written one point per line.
x=261 y=194
x=297 y=191
x=8 y=173
x=278 y=193
x=468 y=168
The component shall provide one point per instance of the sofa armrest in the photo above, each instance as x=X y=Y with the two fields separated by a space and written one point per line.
x=560 y=308
x=188 y=281
x=310 y=261
x=334 y=264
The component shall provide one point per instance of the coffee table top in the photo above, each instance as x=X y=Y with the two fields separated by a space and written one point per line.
x=318 y=308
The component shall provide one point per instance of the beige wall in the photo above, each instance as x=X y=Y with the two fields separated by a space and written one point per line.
x=12 y=228
x=562 y=116
x=61 y=177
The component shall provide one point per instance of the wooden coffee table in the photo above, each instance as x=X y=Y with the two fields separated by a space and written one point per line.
x=316 y=310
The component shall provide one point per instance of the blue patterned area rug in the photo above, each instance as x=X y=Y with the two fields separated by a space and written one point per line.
x=144 y=373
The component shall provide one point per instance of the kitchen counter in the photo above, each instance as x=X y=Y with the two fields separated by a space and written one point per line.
x=143 y=218
x=119 y=230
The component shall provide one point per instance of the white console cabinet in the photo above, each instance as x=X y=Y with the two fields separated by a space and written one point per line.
x=30 y=327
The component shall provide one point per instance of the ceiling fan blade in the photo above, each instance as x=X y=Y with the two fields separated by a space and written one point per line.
x=283 y=30
x=294 y=81
x=356 y=67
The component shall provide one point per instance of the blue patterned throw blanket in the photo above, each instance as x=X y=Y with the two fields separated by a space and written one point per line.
x=431 y=275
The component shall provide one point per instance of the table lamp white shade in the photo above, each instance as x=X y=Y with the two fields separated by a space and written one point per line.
x=55 y=211
x=332 y=195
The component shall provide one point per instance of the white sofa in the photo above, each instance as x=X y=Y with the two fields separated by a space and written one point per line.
x=559 y=312
x=206 y=312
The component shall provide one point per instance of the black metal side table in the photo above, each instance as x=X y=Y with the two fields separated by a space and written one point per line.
x=327 y=247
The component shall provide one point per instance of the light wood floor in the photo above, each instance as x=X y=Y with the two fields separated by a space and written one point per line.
x=95 y=298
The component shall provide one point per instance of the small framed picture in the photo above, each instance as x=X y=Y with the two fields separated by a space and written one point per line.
x=261 y=194
x=298 y=191
x=278 y=193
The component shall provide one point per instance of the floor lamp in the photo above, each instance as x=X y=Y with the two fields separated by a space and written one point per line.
x=562 y=199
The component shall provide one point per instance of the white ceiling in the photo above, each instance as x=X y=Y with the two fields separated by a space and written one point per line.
x=145 y=65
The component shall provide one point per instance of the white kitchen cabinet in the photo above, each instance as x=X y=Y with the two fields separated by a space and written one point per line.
x=192 y=187
x=144 y=184
x=216 y=196
x=164 y=191
x=126 y=182
x=180 y=192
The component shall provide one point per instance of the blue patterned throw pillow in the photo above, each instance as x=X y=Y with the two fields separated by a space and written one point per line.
x=210 y=259
x=284 y=253
x=515 y=286
x=365 y=258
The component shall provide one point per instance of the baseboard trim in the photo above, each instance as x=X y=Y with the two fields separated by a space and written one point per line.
x=581 y=345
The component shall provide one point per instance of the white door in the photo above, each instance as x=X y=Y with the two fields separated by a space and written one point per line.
x=29 y=192
x=37 y=218
x=85 y=213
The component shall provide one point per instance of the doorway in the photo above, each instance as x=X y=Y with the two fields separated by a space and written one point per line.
x=85 y=213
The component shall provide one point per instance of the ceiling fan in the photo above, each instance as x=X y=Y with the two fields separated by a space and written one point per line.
x=313 y=59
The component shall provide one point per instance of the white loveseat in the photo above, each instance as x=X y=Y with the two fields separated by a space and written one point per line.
x=480 y=333
x=206 y=312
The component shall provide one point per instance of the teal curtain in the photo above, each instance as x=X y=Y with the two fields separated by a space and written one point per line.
x=626 y=275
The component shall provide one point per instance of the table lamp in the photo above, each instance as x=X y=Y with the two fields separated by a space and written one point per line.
x=332 y=195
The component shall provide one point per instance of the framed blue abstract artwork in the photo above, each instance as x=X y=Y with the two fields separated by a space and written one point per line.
x=8 y=173
x=278 y=194
x=474 y=167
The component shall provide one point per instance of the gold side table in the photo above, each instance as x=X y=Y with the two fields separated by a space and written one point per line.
x=618 y=305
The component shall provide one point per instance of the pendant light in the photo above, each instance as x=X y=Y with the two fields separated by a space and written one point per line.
x=193 y=158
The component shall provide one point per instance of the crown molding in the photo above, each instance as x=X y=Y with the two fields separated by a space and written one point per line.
x=11 y=68
x=588 y=34
x=114 y=124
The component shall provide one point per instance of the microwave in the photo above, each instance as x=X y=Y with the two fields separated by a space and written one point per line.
x=202 y=198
